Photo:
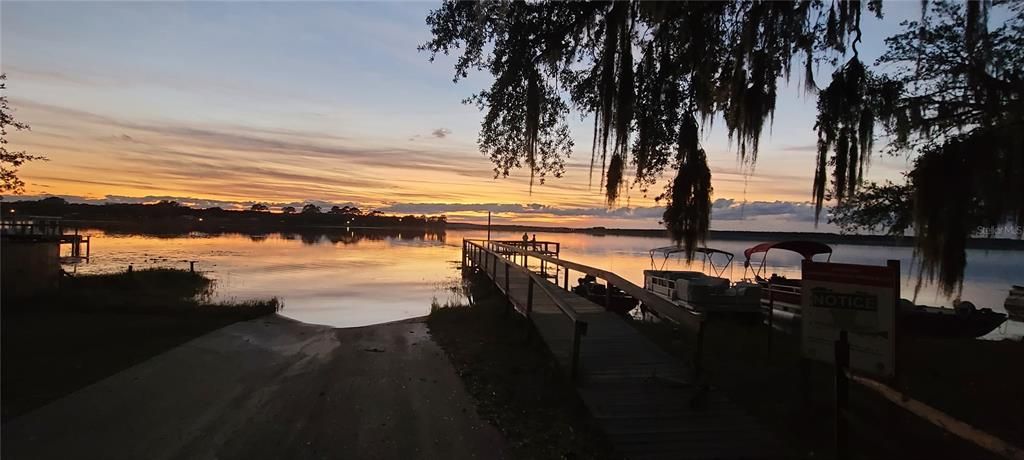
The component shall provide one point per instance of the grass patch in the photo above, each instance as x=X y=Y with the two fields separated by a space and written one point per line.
x=97 y=325
x=516 y=383
x=760 y=369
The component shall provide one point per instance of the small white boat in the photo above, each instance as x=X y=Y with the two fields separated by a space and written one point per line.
x=1014 y=304
x=700 y=292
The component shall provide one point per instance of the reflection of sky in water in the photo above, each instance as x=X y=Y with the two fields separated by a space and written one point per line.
x=345 y=279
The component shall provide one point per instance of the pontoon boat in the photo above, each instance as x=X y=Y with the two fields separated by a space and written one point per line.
x=700 y=292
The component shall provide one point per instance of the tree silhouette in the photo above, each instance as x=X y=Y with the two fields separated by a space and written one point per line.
x=338 y=210
x=288 y=210
x=311 y=209
x=655 y=74
x=259 y=207
x=10 y=161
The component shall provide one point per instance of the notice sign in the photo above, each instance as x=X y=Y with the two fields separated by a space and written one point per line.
x=860 y=299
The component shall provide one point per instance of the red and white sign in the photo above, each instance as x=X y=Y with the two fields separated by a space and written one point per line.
x=860 y=299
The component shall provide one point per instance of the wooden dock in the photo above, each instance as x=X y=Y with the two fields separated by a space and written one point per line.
x=647 y=402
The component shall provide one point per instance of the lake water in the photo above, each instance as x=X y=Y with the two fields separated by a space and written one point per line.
x=354 y=277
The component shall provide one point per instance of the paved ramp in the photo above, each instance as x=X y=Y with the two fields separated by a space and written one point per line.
x=269 y=388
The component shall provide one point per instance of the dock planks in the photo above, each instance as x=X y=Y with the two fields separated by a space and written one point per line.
x=647 y=402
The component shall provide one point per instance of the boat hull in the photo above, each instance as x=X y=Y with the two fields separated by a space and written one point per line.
x=616 y=303
x=929 y=322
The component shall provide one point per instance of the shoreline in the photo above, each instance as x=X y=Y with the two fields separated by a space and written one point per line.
x=748 y=235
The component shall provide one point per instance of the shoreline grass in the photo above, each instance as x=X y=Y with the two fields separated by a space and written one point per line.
x=515 y=382
x=94 y=326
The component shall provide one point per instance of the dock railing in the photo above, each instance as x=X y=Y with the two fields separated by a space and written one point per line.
x=661 y=307
x=487 y=258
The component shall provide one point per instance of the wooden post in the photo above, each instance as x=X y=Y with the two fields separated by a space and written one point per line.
x=191 y=266
x=608 y=294
x=529 y=295
x=506 y=280
x=896 y=337
x=566 y=270
x=698 y=350
x=494 y=267
x=842 y=358
x=579 y=330
x=88 y=244
x=771 y=318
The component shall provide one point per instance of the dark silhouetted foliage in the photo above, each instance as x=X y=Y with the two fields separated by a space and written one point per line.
x=10 y=161
x=654 y=75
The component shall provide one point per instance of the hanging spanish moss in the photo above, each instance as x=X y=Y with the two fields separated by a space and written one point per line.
x=614 y=111
x=688 y=211
x=532 y=122
x=847 y=110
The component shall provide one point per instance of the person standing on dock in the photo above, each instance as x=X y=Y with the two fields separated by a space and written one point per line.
x=525 y=237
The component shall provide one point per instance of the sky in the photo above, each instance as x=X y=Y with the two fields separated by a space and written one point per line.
x=226 y=104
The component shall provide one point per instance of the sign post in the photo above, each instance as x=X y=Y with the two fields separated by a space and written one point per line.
x=858 y=299
x=849 y=320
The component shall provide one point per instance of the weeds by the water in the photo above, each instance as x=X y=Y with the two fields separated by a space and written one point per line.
x=158 y=290
x=436 y=305
x=93 y=326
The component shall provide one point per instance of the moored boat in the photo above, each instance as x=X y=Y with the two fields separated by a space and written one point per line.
x=964 y=320
x=780 y=296
x=700 y=292
x=616 y=301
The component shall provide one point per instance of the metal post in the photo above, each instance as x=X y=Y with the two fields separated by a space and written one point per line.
x=842 y=357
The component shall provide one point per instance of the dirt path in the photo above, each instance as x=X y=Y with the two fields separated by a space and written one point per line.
x=270 y=388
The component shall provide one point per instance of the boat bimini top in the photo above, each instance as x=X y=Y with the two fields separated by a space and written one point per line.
x=807 y=249
x=708 y=253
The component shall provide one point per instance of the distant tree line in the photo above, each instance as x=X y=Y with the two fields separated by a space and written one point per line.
x=172 y=213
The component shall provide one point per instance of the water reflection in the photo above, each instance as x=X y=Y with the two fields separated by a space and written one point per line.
x=354 y=277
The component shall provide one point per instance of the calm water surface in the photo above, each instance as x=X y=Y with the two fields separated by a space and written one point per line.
x=351 y=278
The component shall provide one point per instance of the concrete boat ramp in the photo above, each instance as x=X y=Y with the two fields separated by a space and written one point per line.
x=269 y=388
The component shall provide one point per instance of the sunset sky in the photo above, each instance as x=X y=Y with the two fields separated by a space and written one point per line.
x=224 y=104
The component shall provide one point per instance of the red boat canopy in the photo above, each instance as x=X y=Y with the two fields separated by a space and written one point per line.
x=807 y=249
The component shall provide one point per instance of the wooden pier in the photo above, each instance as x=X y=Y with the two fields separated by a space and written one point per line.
x=647 y=402
x=45 y=229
